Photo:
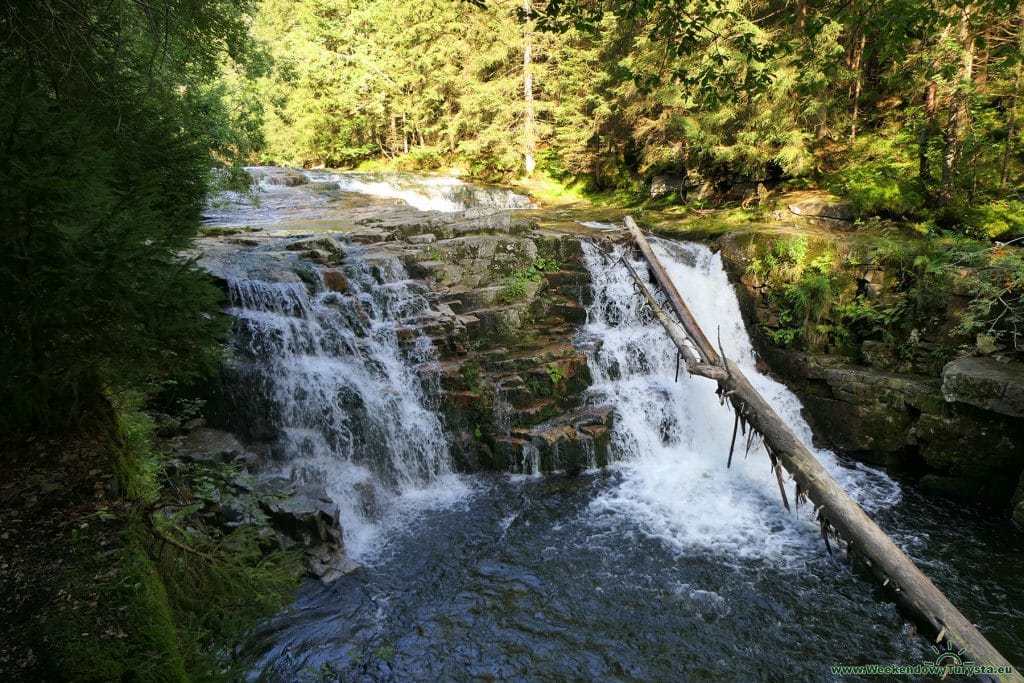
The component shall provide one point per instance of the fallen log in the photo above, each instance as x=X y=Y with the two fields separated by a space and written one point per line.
x=835 y=508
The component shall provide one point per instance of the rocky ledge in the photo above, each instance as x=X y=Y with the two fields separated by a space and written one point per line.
x=226 y=479
x=915 y=422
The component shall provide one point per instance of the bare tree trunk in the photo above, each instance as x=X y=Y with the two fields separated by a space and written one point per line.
x=924 y=137
x=858 y=56
x=1011 y=128
x=959 y=109
x=529 y=143
x=392 y=136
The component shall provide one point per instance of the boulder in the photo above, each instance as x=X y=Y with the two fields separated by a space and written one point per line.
x=323 y=244
x=879 y=355
x=823 y=206
x=287 y=179
x=574 y=441
x=304 y=512
x=210 y=445
x=508 y=452
x=668 y=183
x=335 y=280
x=986 y=383
x=328 y=563
x=972 y=445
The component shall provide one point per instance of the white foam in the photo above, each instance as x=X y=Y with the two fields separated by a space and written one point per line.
x=426 y=193
x=345 y=398
x=671 y=440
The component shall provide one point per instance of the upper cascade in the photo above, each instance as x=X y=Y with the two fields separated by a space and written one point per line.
x=426 y=193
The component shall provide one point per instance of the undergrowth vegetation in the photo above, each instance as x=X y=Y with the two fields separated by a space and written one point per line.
x=173 y=592
x=516 y=289
x=921 y=296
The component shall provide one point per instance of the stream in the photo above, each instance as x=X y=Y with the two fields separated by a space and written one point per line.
x=663 y=566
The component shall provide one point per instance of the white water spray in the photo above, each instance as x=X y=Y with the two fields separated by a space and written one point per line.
x=342 y=395
x=672 y=438
x=426 y=193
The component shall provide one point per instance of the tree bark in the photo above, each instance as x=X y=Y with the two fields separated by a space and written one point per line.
x=924 y=173
x=529 y=143
x=1011 y=126
x=858 y=57
x=837 y=511
x=959 y=109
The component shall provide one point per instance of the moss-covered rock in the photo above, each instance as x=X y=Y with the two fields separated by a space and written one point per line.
x=986 y=383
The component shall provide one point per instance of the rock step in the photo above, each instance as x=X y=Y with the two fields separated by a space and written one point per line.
x=535 y=412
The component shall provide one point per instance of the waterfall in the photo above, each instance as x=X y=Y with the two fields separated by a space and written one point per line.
x=426 y=193
x=671 y=439
x=331 y=379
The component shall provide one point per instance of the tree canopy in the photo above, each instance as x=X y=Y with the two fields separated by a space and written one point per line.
x=108 y=116
x=904 y=106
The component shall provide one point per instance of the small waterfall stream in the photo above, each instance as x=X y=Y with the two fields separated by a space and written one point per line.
x=426 y=193
x=326 y=375
x=663 y=566
x=672 y=438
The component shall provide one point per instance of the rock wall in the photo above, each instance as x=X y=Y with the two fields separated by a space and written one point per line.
x=510 y=378
x=959 y=426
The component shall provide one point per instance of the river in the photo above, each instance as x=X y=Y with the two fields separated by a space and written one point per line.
x=663 y=566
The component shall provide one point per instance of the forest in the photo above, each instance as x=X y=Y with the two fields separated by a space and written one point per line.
x=909 y=109
x=122 y=121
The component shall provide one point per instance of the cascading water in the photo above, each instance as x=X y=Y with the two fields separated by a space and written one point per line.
x=427 y=193
x=328 y=378
x=665 y=566
x=673 y=438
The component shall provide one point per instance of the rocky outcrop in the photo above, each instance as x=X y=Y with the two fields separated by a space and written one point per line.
x=304 y=515
x=505 y=302
x=285 y=177
x=822 y=209
x=958 y=426
x=987 y=383
x=507 y=359
x=230 y=490
x=904 y=421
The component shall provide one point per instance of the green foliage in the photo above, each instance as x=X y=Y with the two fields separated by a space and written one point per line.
x=144 y=643
x=879 y=176
x=866 y=319
x=554 y=373
x=996 y=309
x=805 y=303
x=104 y=156
x=1003 y=218
x=136 y=464
x=471 y=373
x=784 y=258
x=516 y=289
x=722 y=92
x=177 y=590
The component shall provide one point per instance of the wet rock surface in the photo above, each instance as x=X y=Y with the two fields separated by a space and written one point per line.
x=505 y=301
x=903 y=421
x=958 y=427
